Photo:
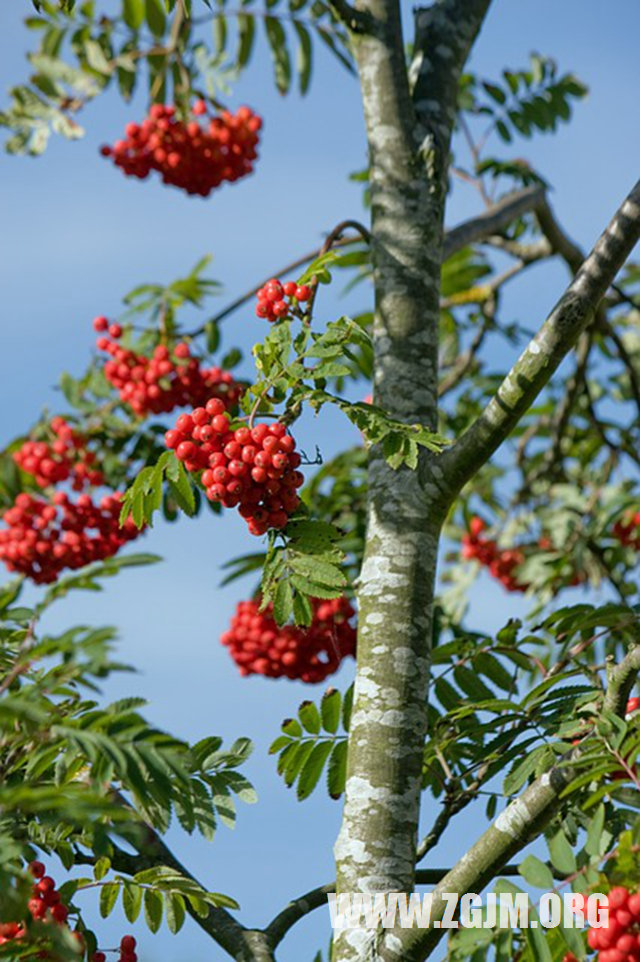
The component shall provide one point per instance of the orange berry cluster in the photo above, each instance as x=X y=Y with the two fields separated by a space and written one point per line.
x=628 y=531
x=66 y=457
x=253 y=469
x=501 y=563
x=274 y=298
x=45 y=536
x=187 y=155
x=261 y=647
x=166 y=380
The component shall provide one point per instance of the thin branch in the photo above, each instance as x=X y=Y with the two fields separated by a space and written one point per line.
x=494 y=220
x=151 y=852
x=549 y=347
x=478 y=228
x=300 y=907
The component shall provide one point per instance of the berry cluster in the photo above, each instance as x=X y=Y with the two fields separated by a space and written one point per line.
x=66 y=457
x=45 y=905
x=628 y=531
x=127 y=951
x=45 y=536
x=619 y=939
x=260 y=647
x=501 y=563
x=253 y=469
x=274 y=299
x=166 y=380
x=45 y=898
x=187 y=155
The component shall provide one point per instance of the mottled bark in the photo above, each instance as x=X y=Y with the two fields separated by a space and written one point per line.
x=542 y=356
x=409 y=149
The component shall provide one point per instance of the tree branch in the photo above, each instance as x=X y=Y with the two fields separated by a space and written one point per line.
x=571 y=315
x=494 y=220
x=241 y=943
x=316 y=898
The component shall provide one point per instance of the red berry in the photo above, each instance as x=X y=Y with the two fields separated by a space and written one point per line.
x=220 y=423
x=59 y=913
x=37 y=869
x=290 y=288
x=303 y=293
x=115 y=331
x=127 y=943
x=100 y=324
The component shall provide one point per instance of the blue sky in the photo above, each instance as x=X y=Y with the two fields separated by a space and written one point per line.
x=77 y=235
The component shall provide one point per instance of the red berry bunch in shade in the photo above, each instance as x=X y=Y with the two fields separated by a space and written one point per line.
x=45 y=903
x=127 y=951
x=45 y=536
x=274 y=299
x=627 y=530
x=167 y=380
x=253 y=469
x=187 y=155
x=261 y=647
x=502 y=564
x=619 y=939
x=65 y=457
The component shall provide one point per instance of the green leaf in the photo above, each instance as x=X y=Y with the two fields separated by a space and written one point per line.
x=133 y=12
x=212 y=336
x=279 y=52
x=153 y=904
x=594 y=833
x=101 y=868
x=312 y=769
x=310 y=717
x=536 y=873
x=304 y=56
x=283 y=602
x=175 y=912
x=132 y=900
x=561 y=853
x=538 y=944
x=330 y=708
x=246 y=35
x=337 y=769
x=108 y=898
x=155 y=16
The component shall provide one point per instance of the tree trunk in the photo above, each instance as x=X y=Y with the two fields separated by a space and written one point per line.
x=408 y=152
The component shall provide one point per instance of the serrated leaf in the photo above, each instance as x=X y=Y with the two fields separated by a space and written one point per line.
x=132 y=900
x=153 y=906
x=175 y=912
x=312 y=769
x=330 y=708
x=337 y=769
x=108 y=897
x=310 y=717
x=279 y=52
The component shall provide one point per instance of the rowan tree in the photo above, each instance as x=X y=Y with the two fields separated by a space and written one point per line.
x=521 y=472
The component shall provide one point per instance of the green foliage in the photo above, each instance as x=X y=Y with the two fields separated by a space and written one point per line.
x=314 y=741
x=303 y=562
x=82 y=51
x=78 y=774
